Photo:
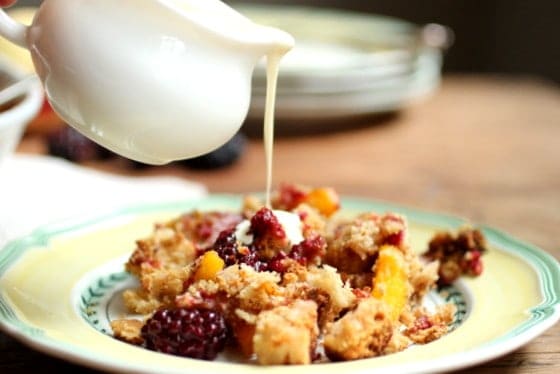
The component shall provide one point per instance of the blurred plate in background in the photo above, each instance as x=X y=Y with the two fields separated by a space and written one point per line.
x=347 y=64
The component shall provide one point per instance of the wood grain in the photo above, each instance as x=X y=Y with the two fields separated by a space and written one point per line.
x=485 y=148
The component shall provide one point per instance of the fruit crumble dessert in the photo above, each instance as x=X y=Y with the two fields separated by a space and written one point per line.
x=293 y=284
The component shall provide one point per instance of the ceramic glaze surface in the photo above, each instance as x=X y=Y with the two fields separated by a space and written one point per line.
x=154 y=81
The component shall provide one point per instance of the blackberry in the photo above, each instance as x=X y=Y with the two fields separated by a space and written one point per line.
x=308 y=250
x=227 y=248
x=253 y=260
x=72 y=145
x=224 y=156
x=188 y=332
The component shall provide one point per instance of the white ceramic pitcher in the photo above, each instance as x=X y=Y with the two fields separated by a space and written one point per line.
x=152 y=80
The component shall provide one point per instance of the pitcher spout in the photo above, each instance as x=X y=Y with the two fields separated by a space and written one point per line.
x=273 y=40
x=226 y=26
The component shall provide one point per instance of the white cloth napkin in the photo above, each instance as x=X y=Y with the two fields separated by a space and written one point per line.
x=36 y=190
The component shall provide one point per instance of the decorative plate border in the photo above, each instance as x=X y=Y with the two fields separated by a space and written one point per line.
x=97 y=295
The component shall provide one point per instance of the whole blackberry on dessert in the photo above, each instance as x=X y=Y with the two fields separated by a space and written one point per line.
x=228 y=249
x=189 y=332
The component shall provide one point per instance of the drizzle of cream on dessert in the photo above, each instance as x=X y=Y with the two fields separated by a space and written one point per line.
x=290 y=222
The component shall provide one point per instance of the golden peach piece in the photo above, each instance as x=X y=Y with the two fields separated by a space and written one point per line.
x=210 y=264
x=325 y=200
x=390 y=283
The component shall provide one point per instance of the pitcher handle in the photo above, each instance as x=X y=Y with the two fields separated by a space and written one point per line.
x=12 y=30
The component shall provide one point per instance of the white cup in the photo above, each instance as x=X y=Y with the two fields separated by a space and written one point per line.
x=26 y=102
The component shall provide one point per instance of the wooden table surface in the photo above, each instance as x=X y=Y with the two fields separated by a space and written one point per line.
x=486 y=148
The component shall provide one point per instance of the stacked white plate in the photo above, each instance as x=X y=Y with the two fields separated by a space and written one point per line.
x=346 y=63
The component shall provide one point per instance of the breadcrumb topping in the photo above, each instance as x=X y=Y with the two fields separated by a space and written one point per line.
x=352 y=289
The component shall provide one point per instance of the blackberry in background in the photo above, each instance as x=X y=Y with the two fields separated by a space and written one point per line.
x=222 y=157
x=72 y=145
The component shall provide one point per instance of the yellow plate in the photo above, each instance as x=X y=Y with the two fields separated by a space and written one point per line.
x=60 y=285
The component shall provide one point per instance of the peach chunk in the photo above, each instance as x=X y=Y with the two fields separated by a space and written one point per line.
x=210 y=264
x=390 y=283
x=325 y=200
